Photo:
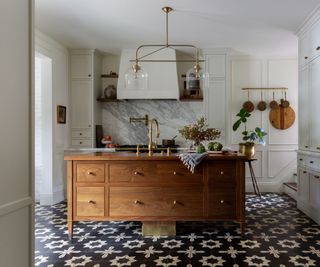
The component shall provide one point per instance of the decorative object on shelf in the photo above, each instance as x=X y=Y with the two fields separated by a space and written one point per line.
x=248 y=148
x=282 y=118
x=137 y=78
x=110 y=92
x=199 y=132
x=215 y=146
x=61 y=114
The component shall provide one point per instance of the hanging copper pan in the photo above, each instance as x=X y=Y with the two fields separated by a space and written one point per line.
x=284 y=102
x=248 y=105
x=262 y=105
x=273 y=104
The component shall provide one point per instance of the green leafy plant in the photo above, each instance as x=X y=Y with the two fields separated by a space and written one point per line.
x=251 y=135
x=199 y=132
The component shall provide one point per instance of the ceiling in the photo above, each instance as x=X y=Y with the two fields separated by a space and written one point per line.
x=260 y=27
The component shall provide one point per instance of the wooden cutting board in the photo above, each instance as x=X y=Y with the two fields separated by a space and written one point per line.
x=282 y=118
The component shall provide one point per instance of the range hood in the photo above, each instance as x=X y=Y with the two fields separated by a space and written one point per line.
x=162 y=77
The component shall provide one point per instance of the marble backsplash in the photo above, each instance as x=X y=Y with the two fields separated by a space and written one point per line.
x=171 y=115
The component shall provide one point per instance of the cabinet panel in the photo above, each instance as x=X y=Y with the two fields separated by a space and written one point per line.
x=81 y=104
x=156 y=201
x=81 y=66
x=222 y=174
x=304 y=108
x=304 y=49
x=82 y=143
x=314 y=86
x=90 y=201
x=222 y=203
x=303 y=185
x=90 y=172
x=216 y=65
x=314 y=190
x=315 y=40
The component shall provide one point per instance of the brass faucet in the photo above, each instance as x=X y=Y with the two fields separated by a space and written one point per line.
x=152 y=145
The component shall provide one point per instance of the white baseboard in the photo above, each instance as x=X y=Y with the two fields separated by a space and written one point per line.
x=265 y=187
x=51 y=199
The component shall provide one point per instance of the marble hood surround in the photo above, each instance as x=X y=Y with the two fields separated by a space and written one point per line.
x=162 y=76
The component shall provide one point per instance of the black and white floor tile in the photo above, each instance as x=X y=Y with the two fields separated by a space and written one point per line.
x=277 y=234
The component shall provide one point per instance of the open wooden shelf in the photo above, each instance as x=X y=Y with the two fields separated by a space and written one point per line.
x=109 y=76
x=99 y=99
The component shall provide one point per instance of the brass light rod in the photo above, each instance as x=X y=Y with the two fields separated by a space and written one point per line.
x=165 y=60
x=269 y=88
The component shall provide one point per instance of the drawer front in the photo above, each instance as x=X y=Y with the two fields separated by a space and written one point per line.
x=81 y=134
x=81 y=143
x=90 y=172
x=156 y=201
x=222 y=204
x=90 y=201
x=222 y=172
x=154 y=172
x=312 y=162
x=302 y=159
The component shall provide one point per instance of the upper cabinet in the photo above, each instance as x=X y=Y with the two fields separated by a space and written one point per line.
x=85 y=87
x=315 y=40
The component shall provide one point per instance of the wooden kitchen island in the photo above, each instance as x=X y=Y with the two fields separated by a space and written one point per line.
x=123 y=186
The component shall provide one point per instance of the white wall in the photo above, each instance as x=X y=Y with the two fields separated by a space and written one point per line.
x=276 y=161
x=60 y=135
x=16 y=183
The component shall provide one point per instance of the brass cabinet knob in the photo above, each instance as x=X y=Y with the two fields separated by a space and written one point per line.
x=174 y=202
x=91 y=202
x=80 y=143
x=317 y=176
x=80 y=133
x=90 y=173
x=136 y=173
x=137 y=202
x=174 y=173
x=221 y=201
x=89 y=75
x=222 y=173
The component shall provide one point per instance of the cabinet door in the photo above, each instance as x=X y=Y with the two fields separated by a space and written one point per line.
x=303 y=186
x=315 y=40
x=314 y=87
x=303 y=109
x=81 y=104
x=81 y=66
x=304 y=49
x=315 y=191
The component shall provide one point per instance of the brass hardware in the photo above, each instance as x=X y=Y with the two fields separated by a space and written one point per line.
x=159 y=47
x=174 y=173
x=175 y=202
x=145 y=119
x=221 y=201
x=152 y=145
x=90 y=173
x=317 y=176
x=138 y=150
x=136 y=173
x=168 y=151
x=221 y=172
x=91 y=202
x=137 y=202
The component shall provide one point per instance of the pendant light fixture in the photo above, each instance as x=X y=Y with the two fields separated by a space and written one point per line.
x=137 y=78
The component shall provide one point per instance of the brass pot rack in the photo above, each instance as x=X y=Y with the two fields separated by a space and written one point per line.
x=266 y=88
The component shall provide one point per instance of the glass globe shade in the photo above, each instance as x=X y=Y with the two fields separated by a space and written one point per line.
x=136 y=80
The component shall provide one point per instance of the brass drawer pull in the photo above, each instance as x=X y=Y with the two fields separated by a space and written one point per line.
x=136 y=173
x=176 y=202
x=221 y=201
x=222 y=173
x=174 y=173
x=137 y=202
x=91 y=202
x=90 y=173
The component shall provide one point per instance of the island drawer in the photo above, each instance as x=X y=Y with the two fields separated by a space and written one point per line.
x=156 y=201
x=154 y=172
x=90 y=201
x=222 y=204
x=222 y=172
x=90 y=172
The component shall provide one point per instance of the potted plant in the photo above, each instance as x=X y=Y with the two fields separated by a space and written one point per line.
x=199 y=132
x=249 y=136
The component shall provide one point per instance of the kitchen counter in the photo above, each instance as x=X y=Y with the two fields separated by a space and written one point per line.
x=157 y=190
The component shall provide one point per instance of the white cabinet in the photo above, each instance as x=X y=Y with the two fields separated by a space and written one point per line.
x=215 y=95
x=81 y=103
x=304 y=49
x=81 y=66
x=314 y=190
x=315 y=40
x=314 y=87
x=85 y=87
x=303 y=109
x=303 y=185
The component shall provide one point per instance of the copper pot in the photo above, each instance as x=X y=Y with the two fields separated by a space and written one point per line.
x=262 y=105
x=284 y=102
x=273 y=104
x=248 y=105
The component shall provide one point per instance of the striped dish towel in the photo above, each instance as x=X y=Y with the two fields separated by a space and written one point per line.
x=191 y=160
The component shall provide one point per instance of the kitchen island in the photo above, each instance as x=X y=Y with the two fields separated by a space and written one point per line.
x=158 y=188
